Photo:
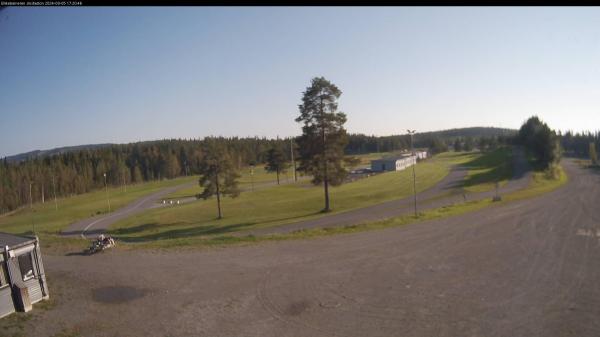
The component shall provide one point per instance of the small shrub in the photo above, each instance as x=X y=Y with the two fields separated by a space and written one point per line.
x=552 y=172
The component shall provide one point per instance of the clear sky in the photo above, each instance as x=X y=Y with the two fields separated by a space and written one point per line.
x=71 y=76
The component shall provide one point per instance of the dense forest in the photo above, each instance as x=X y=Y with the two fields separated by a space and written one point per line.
x=70 y=171
x=578 y=144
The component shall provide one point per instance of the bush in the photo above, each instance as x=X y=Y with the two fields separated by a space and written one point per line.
x=553 y=171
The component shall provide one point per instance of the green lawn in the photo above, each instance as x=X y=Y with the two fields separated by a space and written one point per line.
x=48 y=220
x=484 y=170
x=259 y=177
x=278 y=205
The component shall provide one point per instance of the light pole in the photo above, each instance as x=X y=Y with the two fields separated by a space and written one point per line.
x=411 y=133
x=252 y=177
x=292 y=154
x=106 y=187
x=31 y=206
x=54 y=190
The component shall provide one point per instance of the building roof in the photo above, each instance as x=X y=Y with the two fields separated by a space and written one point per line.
x=11 y=240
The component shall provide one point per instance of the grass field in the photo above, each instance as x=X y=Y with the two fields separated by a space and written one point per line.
x=541 y=183
x=48 y=220
x=278 y=205
x=258 y=177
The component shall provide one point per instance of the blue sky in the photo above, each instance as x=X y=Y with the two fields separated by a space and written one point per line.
x=72 y=76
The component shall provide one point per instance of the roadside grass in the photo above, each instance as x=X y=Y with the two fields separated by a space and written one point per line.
x=485 y=170
x=47 y=220
x=277 y=205
x=541 y=183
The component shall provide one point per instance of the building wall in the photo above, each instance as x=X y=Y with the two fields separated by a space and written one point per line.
x=6 y=302
x=400 y=164
x=36 y=286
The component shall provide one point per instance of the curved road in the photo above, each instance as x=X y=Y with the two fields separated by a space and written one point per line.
x=98 y=224
x=523 y=269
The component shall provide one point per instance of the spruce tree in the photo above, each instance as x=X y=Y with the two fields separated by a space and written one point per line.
x=276 y=161
x=218 y=175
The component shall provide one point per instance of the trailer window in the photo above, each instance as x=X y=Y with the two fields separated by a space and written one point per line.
x=3 y=276
x=26 y=266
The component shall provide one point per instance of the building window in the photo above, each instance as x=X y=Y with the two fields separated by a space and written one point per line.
x=26 y=266
x=3 y=276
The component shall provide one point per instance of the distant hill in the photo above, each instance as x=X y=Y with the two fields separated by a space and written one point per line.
x=59 y=150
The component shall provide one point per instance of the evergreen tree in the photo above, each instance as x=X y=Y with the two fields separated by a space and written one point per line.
x=540 y=140
x=469 y=144
x=276 y=161
x=218 y=176
x=457 y=145
x=323 y=135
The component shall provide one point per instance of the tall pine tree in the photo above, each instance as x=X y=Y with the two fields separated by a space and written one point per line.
x=323 y=135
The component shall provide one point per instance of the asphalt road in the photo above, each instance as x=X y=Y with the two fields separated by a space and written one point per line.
x=527 y=268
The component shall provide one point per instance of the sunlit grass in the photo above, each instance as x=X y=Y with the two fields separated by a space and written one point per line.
x=45 y=218
x=279 y=205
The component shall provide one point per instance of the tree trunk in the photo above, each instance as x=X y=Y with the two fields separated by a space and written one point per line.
x=218 y=196
x=277 y=176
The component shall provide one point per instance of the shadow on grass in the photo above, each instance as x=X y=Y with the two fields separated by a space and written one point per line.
x=498 y=165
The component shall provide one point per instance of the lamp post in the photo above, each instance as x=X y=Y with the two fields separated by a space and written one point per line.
x=107 y=198
x=54 y=190
x=292 y=155
x=252 y=177
x=31 y=206
x=411 y=133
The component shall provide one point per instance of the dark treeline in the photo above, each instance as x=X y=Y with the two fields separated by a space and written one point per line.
x=578 y=144
x=436 y=141
x=82 y=169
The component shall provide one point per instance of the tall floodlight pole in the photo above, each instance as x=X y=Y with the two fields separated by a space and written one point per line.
x=292 y=154
x=31 y=206
x=54 y=190
x=106 y=187
x=412 y=149
x=252 y=177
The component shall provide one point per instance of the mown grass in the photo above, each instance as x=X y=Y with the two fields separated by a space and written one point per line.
x=489 y=168
x=258 y=176
x=278 y=205
x=45 y=219
x=541 y=183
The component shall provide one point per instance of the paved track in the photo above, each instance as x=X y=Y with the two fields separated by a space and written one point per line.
x=528 y=268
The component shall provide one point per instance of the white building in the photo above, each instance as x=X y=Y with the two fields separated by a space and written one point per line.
x=397 y=163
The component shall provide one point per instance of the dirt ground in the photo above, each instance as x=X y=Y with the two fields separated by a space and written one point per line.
x=528 y=268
